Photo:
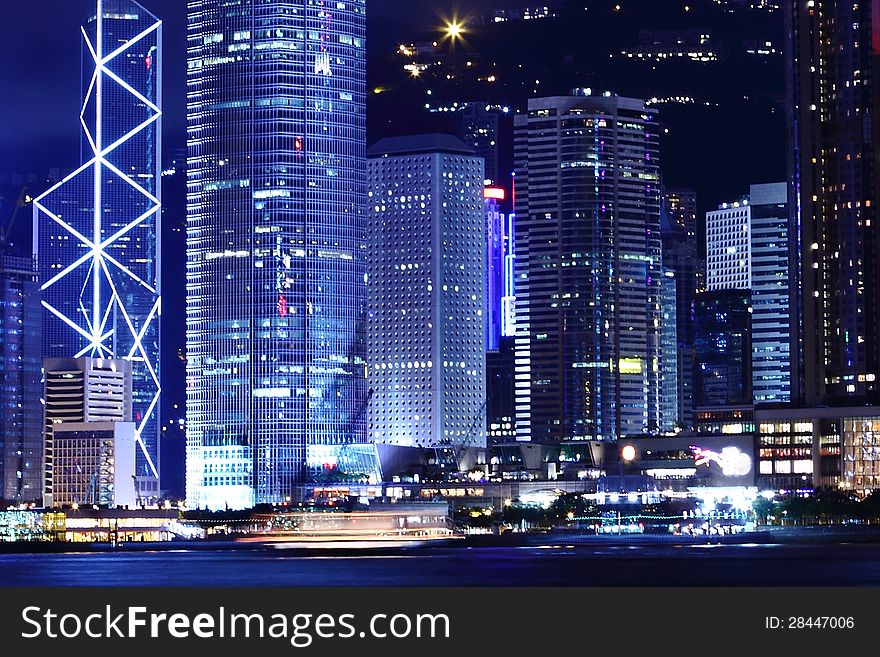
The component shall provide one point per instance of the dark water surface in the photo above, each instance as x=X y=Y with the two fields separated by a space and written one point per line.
x=556 y=562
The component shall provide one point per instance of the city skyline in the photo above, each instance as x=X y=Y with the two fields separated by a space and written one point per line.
x=335 y=296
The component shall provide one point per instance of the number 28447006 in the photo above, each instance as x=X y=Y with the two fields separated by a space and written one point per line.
x=809 y=622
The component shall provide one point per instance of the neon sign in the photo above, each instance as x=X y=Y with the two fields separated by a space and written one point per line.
x=732 y=461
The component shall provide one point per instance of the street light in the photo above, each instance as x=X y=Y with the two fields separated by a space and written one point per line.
x=627 y=455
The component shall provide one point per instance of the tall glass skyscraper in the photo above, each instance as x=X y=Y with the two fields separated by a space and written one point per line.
x=96 y=235
x=771 y=330
x=669 y=357
x=21 y=444
x=747 y=249
x=681 y=256
x=834 y=191
x=496 y=242
x=589 y=270
x=276 y=331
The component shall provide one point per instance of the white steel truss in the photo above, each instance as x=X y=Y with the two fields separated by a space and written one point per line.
x=103 y=310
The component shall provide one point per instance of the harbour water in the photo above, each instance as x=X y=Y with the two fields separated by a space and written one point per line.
x=798 y=559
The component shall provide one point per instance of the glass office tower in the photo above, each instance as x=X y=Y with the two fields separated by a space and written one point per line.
x=276 y=374
x=723 y=345
x=669 y=356
x=747 y=243
x=771 y=330
x=21 y=433
x=589 y=270
x=681 y=256
x=96 y=234
x=833 y=65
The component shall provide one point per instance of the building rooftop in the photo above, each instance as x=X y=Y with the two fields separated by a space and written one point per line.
x=414 y=144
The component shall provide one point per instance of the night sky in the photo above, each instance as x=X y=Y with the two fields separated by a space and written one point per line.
x=40 y=70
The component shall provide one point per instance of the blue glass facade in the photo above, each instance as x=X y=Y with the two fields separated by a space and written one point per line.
x=276 y=376
x=669 y=358
x=21 y=431
x=495 y=240
x=96 y=236
x=771 y=330
x=508 y=301
x=681 y=256
x=589 y=270
x=722 y=343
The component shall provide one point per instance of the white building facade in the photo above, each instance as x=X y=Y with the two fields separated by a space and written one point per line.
x=426 y=292
x=747 y=246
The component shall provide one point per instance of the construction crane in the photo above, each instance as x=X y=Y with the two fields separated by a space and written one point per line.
x=137 y=491
x=360 y=412
x=472 y=432
x=24 y=199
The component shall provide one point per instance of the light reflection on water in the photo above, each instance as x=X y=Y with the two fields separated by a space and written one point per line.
x=749 y=564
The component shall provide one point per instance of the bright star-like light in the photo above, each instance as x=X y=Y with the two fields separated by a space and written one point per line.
x=454 y=30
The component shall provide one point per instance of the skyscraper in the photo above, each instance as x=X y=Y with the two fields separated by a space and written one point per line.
x=427 y=282
x=275 y=266
x=496 y=241
x=729 y=247
x=747 y=243
x=508 y=300
x=681 y=256
x=835 y=126
x=589 y=271
x=21 y=445
x=771 y=330
x=97 y=234
x=669 y=356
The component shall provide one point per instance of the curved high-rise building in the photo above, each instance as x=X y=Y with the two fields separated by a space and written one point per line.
x=276 y=377
x=97 y=231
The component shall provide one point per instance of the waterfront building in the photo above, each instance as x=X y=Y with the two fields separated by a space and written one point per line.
x=426 y=292
x=827 y=447
x=97 y=230
x=87 y=524
x=85 y=399
x=93 y=464
x=21 y=454
x=589 y=270
x=276 y=323
x=725 y=419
